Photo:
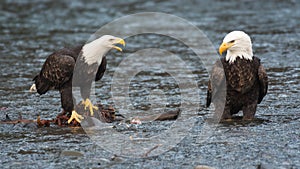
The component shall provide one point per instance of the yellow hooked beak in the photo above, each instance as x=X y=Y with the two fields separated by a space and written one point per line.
x=224 y=46
x=119 y=41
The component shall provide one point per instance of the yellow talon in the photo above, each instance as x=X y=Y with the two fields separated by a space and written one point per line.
x=75 y=116
x=88 y=104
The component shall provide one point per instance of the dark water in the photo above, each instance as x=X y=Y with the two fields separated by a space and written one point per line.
x=30 y=30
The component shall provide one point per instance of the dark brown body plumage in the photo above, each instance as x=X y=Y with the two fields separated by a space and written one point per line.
x=57 y=73
x=246 y=84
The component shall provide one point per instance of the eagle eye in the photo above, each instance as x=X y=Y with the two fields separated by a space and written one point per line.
x=231 y=41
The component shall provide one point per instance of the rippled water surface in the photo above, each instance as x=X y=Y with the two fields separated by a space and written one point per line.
x=31 y=30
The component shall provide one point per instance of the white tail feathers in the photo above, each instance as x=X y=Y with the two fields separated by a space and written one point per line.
x=33 y=88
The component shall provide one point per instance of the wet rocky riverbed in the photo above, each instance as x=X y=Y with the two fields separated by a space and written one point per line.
x=31 y=30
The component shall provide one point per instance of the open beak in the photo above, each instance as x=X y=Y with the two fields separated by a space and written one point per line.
x=224 y=46
x=119 y=41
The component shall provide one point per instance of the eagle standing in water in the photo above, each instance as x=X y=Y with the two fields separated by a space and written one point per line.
x=75 y=67
x=245 y=77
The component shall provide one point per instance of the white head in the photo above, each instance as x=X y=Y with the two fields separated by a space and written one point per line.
x=237 y=44
x=94 y=51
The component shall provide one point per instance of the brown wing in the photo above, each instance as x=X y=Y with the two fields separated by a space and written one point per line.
x=216 y=80
x=56 y=71
x=263 y=82
x=209 y=94
x=101 y=69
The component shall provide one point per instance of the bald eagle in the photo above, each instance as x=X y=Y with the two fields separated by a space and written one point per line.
x=245 y=81
x=75 y=67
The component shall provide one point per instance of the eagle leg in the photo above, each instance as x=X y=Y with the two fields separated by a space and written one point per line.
x=88 y=104
x=75 y=116
x=226 y=116
x=249 y=112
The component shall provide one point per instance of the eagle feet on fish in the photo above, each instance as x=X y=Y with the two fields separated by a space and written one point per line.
x=88 y=104
x=105 y=114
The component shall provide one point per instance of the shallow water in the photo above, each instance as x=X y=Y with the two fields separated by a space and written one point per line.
x=31 y=30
